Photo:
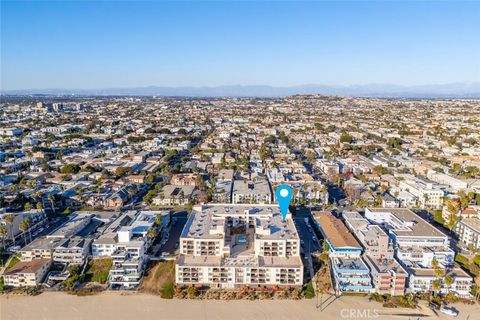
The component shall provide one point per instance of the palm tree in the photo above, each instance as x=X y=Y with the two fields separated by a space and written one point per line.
x=3 y=233
x=448 y=282
x=28 y=206
x=28 y=221
x=23 y=227
x=9 y=218
x=51 y=198
x=151 y=233
x=158 y=219
x=436 y=284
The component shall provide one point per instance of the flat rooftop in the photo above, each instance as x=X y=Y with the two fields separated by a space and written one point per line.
x=209 y=221
x=335 y=231
x=259 y=186
x=43 y=243
x=407 y=223
x=427 y=272
x=472 y=223
x=350 y=264
x=384 y=265
x=252 y=261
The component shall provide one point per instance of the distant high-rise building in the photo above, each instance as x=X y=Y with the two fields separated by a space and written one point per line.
x=58 y=107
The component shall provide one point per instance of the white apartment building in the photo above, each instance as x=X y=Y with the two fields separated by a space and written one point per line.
x=425 y=194
x=388 y=276
x=228 y=246
x=421 y=281
x=132 y=223
x=27 y=273
x=72 y=251
x=468 y=232
x=454 y=183
x=251 y=191
x=416 y=241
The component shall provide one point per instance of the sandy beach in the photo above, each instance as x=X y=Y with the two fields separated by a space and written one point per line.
x=115 y=306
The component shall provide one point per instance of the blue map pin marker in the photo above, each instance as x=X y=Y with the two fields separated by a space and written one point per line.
x=284 y=194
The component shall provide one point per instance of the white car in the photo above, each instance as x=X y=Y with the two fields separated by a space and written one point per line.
x=450 y=311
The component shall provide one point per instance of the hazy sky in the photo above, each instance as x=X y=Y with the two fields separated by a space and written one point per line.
x=89 y=45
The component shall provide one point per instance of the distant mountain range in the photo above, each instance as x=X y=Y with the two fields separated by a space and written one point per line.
x=451 y=90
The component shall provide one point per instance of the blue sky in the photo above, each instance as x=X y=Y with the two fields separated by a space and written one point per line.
x=87 y=45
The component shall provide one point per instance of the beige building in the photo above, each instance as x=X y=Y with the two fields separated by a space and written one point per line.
x=229 y=246
x=27 y=273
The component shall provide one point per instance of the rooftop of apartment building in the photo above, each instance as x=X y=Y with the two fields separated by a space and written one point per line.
x=472 y=223
x=385 y=265
x=72 y=226
x=43 y=243
x=350 y=264
x=256 y=186
x=27 y=266
x=406 y=223
x=335 y=231
x=109 y=233
x=210 y=222
x=242 y=261
x=430 y=272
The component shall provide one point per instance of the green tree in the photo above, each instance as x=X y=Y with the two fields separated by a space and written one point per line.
x=70 y=168
x=158 y=219
x=51 y=198
x=436 y=285
x=151 y=233
x=192 y=292
x=28 y=222
x=121 y=171
x=3 y=234
x=448 y=281
x=309 y=291
x=23 y=228
x=346 y=138
x=28 y=206
x=150 y=179
x=9 y=218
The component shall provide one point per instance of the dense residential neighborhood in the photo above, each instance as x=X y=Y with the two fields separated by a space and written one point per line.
x=176 y=196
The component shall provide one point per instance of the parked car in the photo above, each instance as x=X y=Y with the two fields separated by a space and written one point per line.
x=14 y=249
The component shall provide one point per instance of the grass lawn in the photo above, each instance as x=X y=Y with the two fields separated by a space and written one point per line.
x=13 y=261
x=97 y=270
x=160 y=278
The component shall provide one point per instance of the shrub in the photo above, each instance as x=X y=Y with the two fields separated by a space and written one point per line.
x=461 y=259
x=70 y=168
x=476 y=260
x=168 y=291
x=192 y=292
x=308 y=291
